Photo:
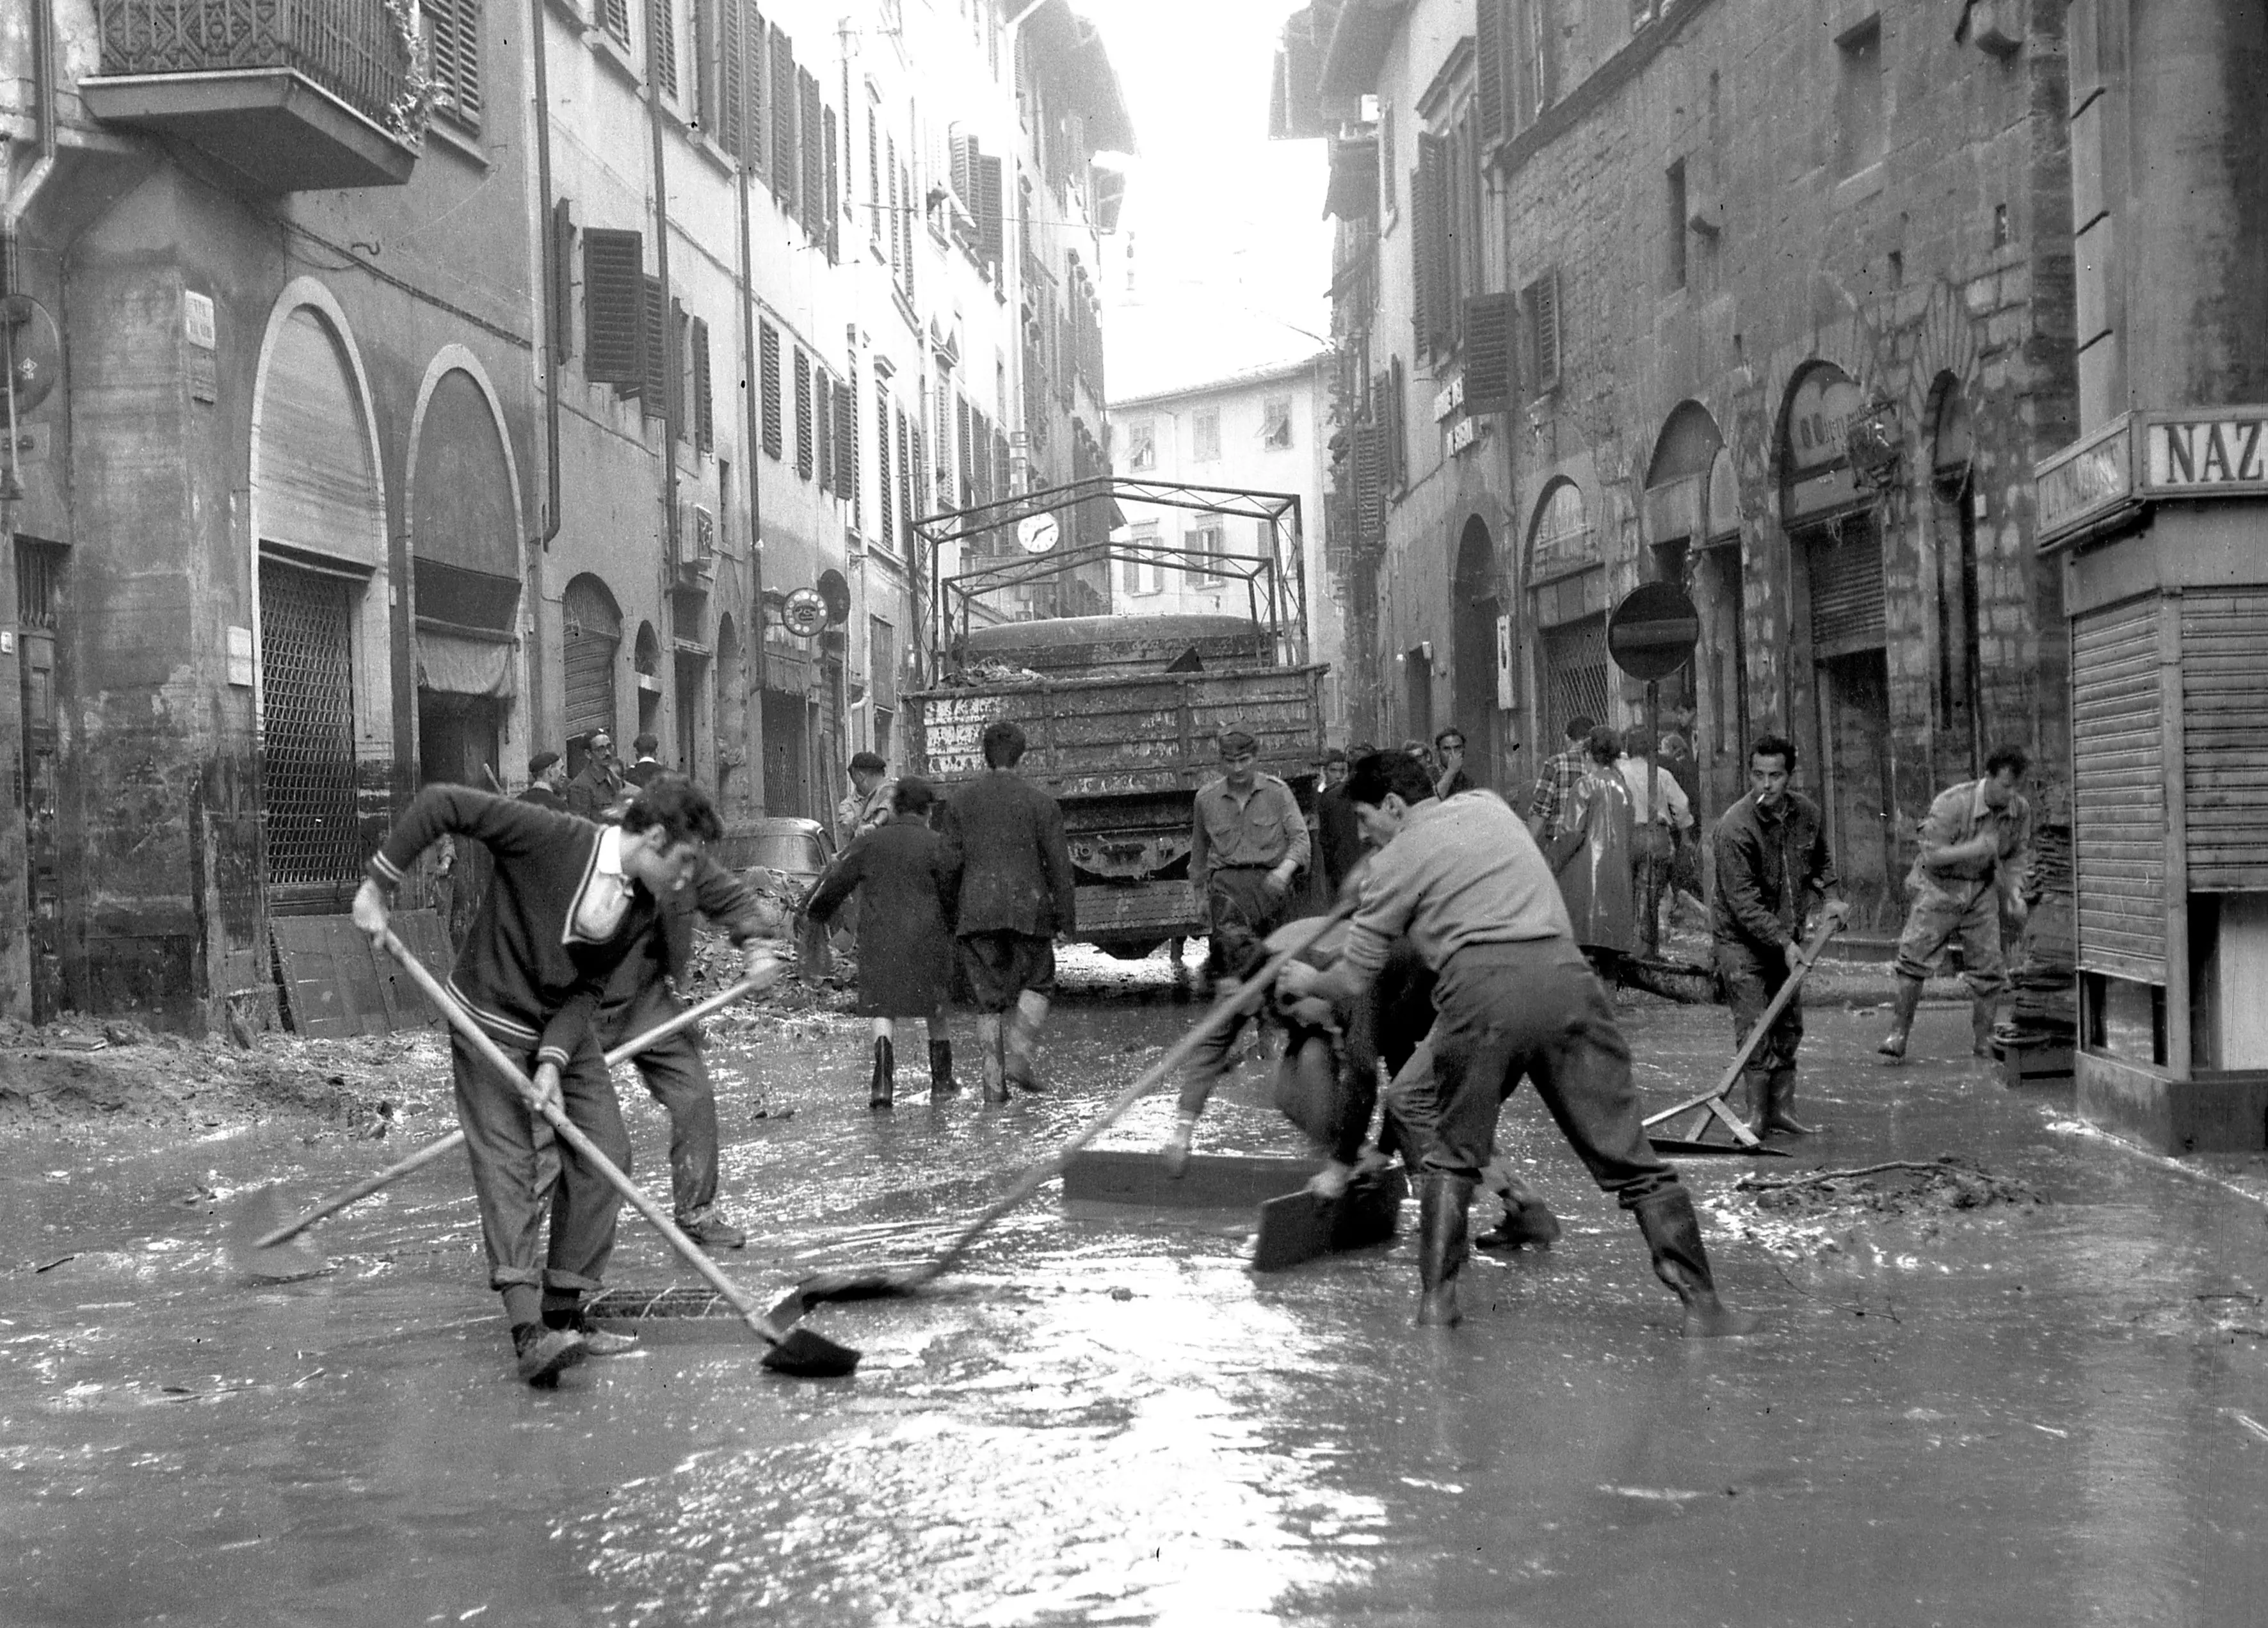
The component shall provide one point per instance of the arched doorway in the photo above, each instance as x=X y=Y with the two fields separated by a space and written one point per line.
x=646 y=668
x=1567 y=582
x=1952 y=513
x=326 y=692
x=1835 y=541
x=1474 y=609
x=591 y=635
x=732 y=716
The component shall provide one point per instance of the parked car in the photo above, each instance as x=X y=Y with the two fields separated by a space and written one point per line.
x=784 y=857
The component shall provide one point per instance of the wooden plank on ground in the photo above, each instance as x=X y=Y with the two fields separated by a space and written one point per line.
x=1299 y=1226
x=338 y=986
x=1212 y=1181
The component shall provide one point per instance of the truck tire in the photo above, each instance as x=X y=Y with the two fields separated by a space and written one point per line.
x=1128 y=949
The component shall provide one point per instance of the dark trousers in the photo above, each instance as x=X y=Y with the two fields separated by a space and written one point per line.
x=1752 y=976
x=1241 y=913
x=518 y=1163
x=677 y=1077
x=1505 y=1012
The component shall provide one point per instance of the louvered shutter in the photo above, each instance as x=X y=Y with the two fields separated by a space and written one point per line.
x=897 y=218
x=2118 y=790
x=705 y=420
x=661 y=19
x=755 y=90
x=1490 y=323
x=846 y=446
x=1844 y=563
x=767 y=362
x=907 y=513
x=782 y=93
x=731 y=126
x=453 y=36
x=2225 y=738
x=653 y=340
x=614 y=296
x=925 y=502
x=1430 y=240
x=874 y=179
x=823 y=394
x=1489 y=39
x=813 y=153
x=964 y=483
x=833 y=193
x=1397 y=427
x=913 y=237
x=886 y=513
x=614 y=17
x=1543 y=332
x=991 y=228
x=562 y=279
x=803 y=446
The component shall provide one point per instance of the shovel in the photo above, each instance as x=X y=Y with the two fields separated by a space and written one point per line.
x=262 y=1244
x=886 y=1284
x=800 y=1351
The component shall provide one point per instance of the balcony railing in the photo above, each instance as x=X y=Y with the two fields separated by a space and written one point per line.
x=228 y=74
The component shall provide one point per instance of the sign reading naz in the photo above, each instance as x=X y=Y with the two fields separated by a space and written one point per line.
x=2210 y=452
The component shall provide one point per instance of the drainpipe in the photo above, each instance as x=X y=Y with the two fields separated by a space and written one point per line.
x=751 y=407
x=656 y=120
x=21 y=195
x=541 y=544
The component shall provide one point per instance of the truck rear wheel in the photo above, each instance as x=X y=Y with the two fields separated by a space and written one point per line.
x=1128 y=949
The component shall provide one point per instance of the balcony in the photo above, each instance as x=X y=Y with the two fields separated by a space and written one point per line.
x=293 y=95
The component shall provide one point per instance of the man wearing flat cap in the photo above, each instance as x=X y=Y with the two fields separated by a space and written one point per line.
x=547 y=781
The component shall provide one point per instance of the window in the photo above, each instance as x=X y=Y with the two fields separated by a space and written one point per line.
x=1429 y=244
x=614 y=17
x=907 y=513
x=1859 y=99
x=1144 y=575
x=881 y=663
x=614 y=295
x=661 y=19
x=1142 y=445
x=1541 y=301
x=1536 y=80
x=1276 y=423
x=767 y=365
x=1210 y=542
x=886 y=531
x=1204 y=434
x=875 y=234
x=453 y=41
x=1386 y=199
x=813 y=153
x=784 y=155
x=704 y=417
x=846 y=446
x=1674 y=228
x=806 y=452
x=654 y=381
x=822 y=389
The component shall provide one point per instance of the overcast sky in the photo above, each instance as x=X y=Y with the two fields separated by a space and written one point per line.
x=1231 y=254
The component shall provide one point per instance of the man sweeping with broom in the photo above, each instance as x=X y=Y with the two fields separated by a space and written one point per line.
x=568 y=901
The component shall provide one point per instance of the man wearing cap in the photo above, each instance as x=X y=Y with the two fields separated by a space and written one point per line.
x=596 y=788
x=1247 y=840
x=547 y=780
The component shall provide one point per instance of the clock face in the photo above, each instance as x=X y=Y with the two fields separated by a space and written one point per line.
x=804 y=614
x=1037 y=533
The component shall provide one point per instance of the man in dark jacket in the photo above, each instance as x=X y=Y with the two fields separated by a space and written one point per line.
x=568 y=901
x=641 y=995
x=1008 y=868
x=547 y=780
x=1772 y=864
x=1339 y=834
x=642 y=772
x=599 y=783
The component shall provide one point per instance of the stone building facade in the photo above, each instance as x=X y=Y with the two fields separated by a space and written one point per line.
x=1776 y=304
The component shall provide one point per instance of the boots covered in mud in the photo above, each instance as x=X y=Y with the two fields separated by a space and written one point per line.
x=1020 y=1045
x=1673 y=1234
x=1902 y=1016
x=882 y=1089
x=1442 y=1203
x=1774 y=1094
x=941 y=1082
x=988 y=1025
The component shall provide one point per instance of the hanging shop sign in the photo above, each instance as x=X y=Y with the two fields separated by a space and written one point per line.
x=2201 y=453
x=804 y=613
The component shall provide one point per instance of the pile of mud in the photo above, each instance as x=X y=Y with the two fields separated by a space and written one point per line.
x=1926 y=1189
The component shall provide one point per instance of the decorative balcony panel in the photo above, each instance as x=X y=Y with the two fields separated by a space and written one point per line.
x=294 y=95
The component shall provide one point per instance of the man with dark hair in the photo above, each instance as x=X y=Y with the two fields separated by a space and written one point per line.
x=1339 y=834
x=599 y=783
x=641 y=772
x=1450 y=751
x=1562 y=774
x=569 y=901
x=870 y=800
x=1247 y=840
x=1772 y=866
x=1007 y=867
x=1513 y=998
x=1976 y=858
x=547 y=780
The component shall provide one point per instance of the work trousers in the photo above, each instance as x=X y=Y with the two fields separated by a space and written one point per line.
x=1939 y=916
x=677 y=1077
x=1751 y=978
x=518 y=1163
x=1533 y=1009
x=1239 y=914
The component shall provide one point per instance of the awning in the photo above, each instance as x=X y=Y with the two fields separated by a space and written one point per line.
x=455 y=665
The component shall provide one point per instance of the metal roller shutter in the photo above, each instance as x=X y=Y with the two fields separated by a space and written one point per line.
x=2225 y=739
x=2118 y=789
x=593 y=633
x=1845 y=565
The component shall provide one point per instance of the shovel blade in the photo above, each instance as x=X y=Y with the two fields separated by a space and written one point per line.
x=806 y=1354
x=259 y=1215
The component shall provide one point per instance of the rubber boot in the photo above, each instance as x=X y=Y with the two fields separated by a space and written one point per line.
x=1023 y=1040
x=941 y=1082
x=1672 y=1235
x=1902 y=1017
x=988 y=1048
x=1779 y=1117
x=1984 y=1014
x=1442 y=1201
x=884 y=1089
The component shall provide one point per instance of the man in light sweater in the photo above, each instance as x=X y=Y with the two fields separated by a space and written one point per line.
x=1514 y=998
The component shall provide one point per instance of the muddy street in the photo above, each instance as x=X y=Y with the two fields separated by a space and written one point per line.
x=2044 y=1405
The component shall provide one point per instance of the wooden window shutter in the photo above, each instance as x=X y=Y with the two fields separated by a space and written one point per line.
x=1397 y=427
x=614 y=296
x=962 y=163
x=654 y=336
x=1489 y=85
x=452 y=32
x=1004 y=466
x=768 y=365
x=783 y=132
x=965 y=462
x=923 y=502
x=704 y=412
x=813 y=155
x=897 y=218
x=913 y=235
x=681 y=343
x=822 y=391
x=846 y=446
x=874 y=179
x=803 y=450
x=833 y=191
x=1430 y=240
x=886 y=511
x=1491 y=323
x=661 y=19
x=991 y=232
x=730 y=127
x=907 y=513
x=1543 y=332
x=561 y=270
x=614 y=17
x=754 y=100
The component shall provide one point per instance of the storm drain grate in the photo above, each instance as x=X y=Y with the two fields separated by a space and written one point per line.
x=636 y=1305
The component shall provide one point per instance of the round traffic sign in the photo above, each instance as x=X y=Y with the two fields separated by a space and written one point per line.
x=1652 y=632
x=804 y=613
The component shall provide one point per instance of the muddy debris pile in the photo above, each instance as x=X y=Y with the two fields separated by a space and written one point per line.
x=1901 y=1187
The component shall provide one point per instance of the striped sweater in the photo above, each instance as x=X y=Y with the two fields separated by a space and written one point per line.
x=524 y=973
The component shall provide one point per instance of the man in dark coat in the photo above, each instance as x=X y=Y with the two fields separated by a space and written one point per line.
x=641 y=996
x=569 y=901
x=1008 y=868
x=1339 y=834
x=905 y=938
x=642 y=772
x=547 y=776
x=599 y=783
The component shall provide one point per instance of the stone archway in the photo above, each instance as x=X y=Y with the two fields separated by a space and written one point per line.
x=1475 y=606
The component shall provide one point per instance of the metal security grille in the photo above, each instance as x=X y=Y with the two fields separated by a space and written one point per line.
x=1845 y=565
x=2225 y=738
x=307 y=671
x=1575 y=674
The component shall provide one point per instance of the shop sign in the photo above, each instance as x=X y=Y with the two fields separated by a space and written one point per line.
x=1462 y=434
x=2075 y=486
x=2217 y=452
x=1449 y=400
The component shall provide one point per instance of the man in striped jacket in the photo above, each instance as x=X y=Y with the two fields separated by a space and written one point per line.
x=568 y=901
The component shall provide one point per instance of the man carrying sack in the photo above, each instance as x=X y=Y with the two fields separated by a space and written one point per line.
x=568 y=901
